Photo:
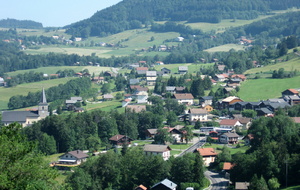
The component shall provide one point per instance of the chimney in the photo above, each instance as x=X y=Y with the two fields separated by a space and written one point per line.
x=77 y=151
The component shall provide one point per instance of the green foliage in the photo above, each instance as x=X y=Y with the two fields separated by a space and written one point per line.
x=249 y=113
x=22 y=167
x=258 y=183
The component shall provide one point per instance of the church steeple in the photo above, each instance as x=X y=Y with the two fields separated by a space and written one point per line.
x=43 y=106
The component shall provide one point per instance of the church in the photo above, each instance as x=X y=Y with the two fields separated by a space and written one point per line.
x=27 y=118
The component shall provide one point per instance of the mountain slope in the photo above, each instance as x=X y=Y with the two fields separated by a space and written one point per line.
x=131 y=14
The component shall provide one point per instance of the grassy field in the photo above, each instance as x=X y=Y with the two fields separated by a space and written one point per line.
x=292 y=188
x=105 y=106
x=262 y=89
x=226 y=47
x=53 y=70
x=191 y=67
x=218 y=148
x=288 y=66
x=23 y=89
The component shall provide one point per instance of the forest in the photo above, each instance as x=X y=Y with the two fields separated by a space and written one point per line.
x=131 y=14
x=26 y=24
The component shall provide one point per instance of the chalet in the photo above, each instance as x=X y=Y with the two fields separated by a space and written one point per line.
x=179 y=89
x=136 y=108
x=246 y=122
x=73 y=158
x=205 y=100
x=240 y=77
x=27 y=118
x=292 y=100
x=78 y=74
x=170 y=89
x=151 y=77
x=182 y=69
x=176 y=134
x=109 y=74
x=274 y=106
x=142 y=97
x=264 y=112
x=165 y=70
x=208 y=155
x=108 y=97
x=140 y=187
x=242 y=185
x=78 y=110
x=229 y=138
x=221 y=67
x=290 y=92
x=162 y=48
x=155 y=149
x=197 y=115
x=179 y=39
x=150 y=133
x=141 y=70
x=221 y=77
x=238 y=106
x=186 y=98
x=225 y=103
x=159 y=63
x=230 y=123
x=119 y=140
x=164 y=185
x=98 y=80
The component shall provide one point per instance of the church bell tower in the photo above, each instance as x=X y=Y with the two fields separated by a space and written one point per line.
x=43 y=106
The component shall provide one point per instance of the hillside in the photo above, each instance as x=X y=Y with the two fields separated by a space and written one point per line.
x=13 y=23
x=133 y=14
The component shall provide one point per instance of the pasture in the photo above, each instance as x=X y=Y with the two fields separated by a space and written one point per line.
x=53 y=70
x=23 y=89
x=225 y=48
x=192 y=68
x=263 y=89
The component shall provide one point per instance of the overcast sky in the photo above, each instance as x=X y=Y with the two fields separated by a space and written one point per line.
x=52 y=12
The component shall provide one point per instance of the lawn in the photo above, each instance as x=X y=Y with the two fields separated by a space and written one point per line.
x=263 y=89
x=180 y=146
x=288 y=66
x=292 y=188
x=141 y=142
x=53 y=157
x=226 y=48
x=105 y=106
x=218 y=148
x=53 y=70
x=192 y=68
x=23 y=89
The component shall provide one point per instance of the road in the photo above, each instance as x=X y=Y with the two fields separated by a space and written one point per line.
x=218 y=182
x=197 y=142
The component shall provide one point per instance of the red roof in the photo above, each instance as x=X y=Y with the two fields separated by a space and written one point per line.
x=142 y=68
x=296 y=119
x=141 y=187
x=230 y=122
x=239 y=76
x=293 y=91
x=227 y=166
x=207 y=151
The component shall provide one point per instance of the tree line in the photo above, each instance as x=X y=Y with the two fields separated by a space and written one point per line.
x=62 y=91
x=14 y=23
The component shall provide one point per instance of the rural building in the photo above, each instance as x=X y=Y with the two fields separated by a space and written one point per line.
x=290 y=92
x=164 y=185
x=141 y=70
x=186 y=98
x=208 y=154
x=182 y=69
x=165 y=70
x=157 y=149
x=198 y=114
x=225 y=103
x=229 y=138
x=73 y=158
x=205 y=100
x=230 y=123
x=119 y=140
x=242 y=185
x=27 y=118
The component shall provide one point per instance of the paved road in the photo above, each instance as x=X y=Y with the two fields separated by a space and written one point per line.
x=218 y=182
x=197 y=142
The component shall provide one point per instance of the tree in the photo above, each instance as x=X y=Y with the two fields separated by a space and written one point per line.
x=162 y=136
x=198 y=124
x=198 y=170
x=21 y=166
x=258 y=183
x=171 y=119
x=105 y=88
x=249 y=113
x=273 y=183
x=47 y=144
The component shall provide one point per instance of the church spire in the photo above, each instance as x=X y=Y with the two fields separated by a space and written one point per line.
x=43 y=98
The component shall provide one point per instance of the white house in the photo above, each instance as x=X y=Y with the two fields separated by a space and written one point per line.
x=197 y=115
x=142 y=97
x=208 y=155
x=75 y=157
x=186 y=98
x=156 y=149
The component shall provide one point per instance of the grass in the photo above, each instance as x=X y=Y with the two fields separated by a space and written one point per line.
x=105 y=106
x=141 y=142
x=23 y=89
x=53 y=157
x=262 y=89
x=191 y=67
x=180 y=146
x=226 y=48
x=288 y=66
x=174 y=152
x=53 y=70
x=218 y=148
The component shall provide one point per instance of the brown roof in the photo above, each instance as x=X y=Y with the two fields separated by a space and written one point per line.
x=207 y=151
x=198 y=111
x=296 y=119
x=293 y=91
x=136 y=108
x=239 y=76
x=156 y=148
x=152 y=131
x=231 y=134
x=141 y=187
x=184 y=96
x=241 y=185
x=227 y=166
x=142 y=89
x=228 y=121
x=244 y=120
x=142 y=68
x=78 y=154
x=118 y=137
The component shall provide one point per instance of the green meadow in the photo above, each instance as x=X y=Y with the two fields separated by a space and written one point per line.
x=23 y=89
x=266 y=88
x=225 y=48
x=53 y=70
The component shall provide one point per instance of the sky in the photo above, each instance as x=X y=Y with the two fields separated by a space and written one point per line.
x=52 y=13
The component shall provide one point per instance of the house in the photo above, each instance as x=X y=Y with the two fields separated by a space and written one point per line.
x=151 y=77
x=221 y=67
x=246 y=122
x=179 y=89
x=142 y=97
x=229 y=138
x=247 y=139
x=2 y=81
x=140 y=187
x=205 y=100
x=242 y=185
x=179 y=39
x=182 y=69
x=72 y=158
x=176 y=133
x=98 y=80
x=141 y=70
x=156 y=149
x=159 y=63
x=164 y=185
x=221 y=77
x=134 y=81
x=230 y=123
x=292 y=100
x=162 y=48
x=150 y=133
x=227 y=166
x=78 y=110
x=214 y=135
x=264 y=112
x=290 y=92
x=109 y=74
x=170 y=89
x=27 y=118
x=240 y=77
x=186 y=98
x=119 y=140
x=225 y=103
x=197 y=115
x=125 y=102
x=108 y=97
x=136 y=108
x=165 y=70
x=208 y=154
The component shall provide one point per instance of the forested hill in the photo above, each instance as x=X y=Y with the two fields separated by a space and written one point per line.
x=131 y=14
x=13 y=23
